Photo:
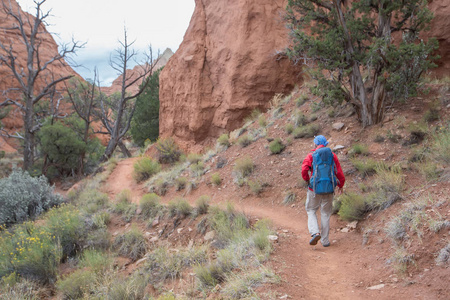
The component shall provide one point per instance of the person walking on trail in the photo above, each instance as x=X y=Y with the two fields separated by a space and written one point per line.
x=326 y=174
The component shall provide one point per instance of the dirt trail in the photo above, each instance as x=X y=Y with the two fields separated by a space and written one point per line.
x=121 y=179
x=307 y=272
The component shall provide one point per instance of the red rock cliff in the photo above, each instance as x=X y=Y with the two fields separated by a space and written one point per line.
x=48 y=49
x=226 y=66
x=440 y=29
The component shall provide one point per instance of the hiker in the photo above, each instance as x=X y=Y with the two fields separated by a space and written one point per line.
x=321 y=185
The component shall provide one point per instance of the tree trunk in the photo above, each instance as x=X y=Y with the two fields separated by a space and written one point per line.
x=28 y=151
x=124 y=149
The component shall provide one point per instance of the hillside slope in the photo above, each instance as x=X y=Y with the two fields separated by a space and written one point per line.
x=363 y=262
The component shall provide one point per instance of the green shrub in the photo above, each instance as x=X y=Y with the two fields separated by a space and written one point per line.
x=299 y=119
x=62 y=146
x=131 y=288
x=168 y=151
x=180 y=183
x=242 y=286
x=23 y=197
x=77 y=284
x=124 y=205
x=30 y=252
x=331 y=113
x=160 y=186
x=99 y=239
x=67 y=226
x=255 y=187
x=198 y=169
x=179 y=207
x=124 y=196
x=202 y=204
x=360 y=149
x=261 y=240
x=289 y=128
x=224 y=140
x=440 y=145
x=276 y=146
x=150 y=205
x=306 y=131
x=215 y=179
x=401 y=260
x=91 y=200
x=389 y=179
x=163 y=263
x=353 y=207
x=96 y=261
x=262 y=121
x=301 y=100
x=145 y=168
x=244 y=141
x=194 y=158
x=20 y=289
x=131 y=244
x=244 y=167
x=365 y=167
x=101 y=219
x=210 y=275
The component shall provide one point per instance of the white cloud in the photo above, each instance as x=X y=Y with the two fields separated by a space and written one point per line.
x=101 y=24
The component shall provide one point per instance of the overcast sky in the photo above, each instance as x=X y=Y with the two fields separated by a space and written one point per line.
x=100 y=23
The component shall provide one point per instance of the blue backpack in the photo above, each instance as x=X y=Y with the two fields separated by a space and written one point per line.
x=323 y=179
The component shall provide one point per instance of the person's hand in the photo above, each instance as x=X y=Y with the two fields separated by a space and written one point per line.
x=340 y=191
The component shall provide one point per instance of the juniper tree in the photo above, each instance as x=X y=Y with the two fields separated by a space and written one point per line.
x=365 y=50
x=145 y=123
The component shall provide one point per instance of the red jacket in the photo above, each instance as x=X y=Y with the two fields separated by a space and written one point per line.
x=307 y=167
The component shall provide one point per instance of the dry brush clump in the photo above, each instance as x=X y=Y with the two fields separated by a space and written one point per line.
x=131 y=244
x=168 y=151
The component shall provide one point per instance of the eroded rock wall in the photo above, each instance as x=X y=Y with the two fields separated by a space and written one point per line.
x=226 y=66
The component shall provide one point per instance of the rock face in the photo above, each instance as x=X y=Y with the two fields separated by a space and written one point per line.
x=48 y=49
x=133 y=73
x=440 y=29
x=226 y=66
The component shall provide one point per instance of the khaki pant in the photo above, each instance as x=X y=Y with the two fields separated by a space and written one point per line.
x=313 y=202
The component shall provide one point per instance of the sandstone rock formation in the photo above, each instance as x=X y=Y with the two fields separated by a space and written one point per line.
x=226 y=66
x=48 y=49
x=440 y=29
x=133 y=73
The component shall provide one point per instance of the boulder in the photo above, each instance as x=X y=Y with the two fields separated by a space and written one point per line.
x=209 y=235
x=229 y=63
x=338 y=126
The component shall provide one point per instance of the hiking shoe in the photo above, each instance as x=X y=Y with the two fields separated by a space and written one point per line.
x=315 y=239
x=326 y=244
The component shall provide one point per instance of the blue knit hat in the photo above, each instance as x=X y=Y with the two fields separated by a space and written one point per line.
x=320 y=140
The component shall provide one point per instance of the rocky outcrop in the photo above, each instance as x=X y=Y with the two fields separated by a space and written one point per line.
x=116 y=86
x=227 y=65
x=440 y=29
x=8 y=84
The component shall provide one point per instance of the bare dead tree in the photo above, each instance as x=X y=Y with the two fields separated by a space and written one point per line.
x=29 y=30
x=117 y=110
x=84 y=97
